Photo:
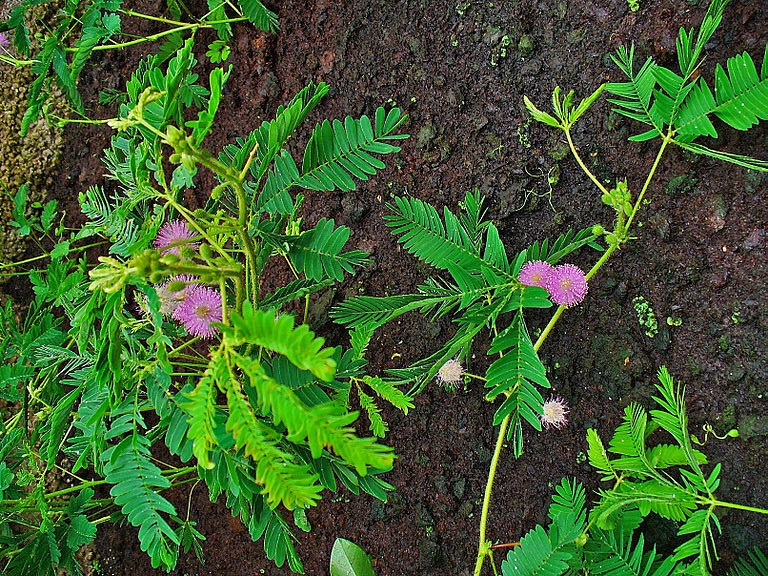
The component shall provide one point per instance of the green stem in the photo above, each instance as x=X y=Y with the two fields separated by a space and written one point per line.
x=16 y=62
x=586 y=170
x=713 y=502
x=484 y=549
x=235 y=180
x=44 y=256
x=667 y=139
x=143 y=16
x=153 y=37
x=248 y=244
x=183 y=267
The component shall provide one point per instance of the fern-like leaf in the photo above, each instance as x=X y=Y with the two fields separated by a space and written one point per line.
x=200 y=406
x=294 y=291
x=447 y=246
x=738 y=159
x=742 y=94
x=516 y=373
x=688 y=51
x=321 y=426
x=673 y=416
x=535 y=557
x=391 y=394
x=136 y=484
x=740 y=99
x=56 y=425
x=284 y=175
x=112 y=219
x=337 y=150
x=613 y=553
x=285 y=482
x=259 y=15
x=635 y=94
x=318 y=252
x=371 y=312
x=378 y=426
x=755 y=564
x=567 y=512
x=598 y=456
x=277 y=333
x=701 y=525
x=268 y=140
x=233 y=476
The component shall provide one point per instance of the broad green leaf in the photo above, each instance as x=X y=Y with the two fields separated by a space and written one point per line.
x=348 y=559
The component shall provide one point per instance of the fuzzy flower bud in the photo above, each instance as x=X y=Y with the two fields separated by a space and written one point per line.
x=199 y=310
x=450 y=374
x=554 y=412
x=173 y=235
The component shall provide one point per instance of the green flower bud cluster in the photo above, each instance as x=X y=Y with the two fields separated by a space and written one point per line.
x=185 y=151
x=619 y=198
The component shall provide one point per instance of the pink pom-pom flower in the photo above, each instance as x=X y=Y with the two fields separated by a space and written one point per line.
x=567 y=285
x=535 y=273
x=198 y=311
x=173 y=235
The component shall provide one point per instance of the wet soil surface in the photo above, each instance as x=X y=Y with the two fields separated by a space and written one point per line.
x=460 y=68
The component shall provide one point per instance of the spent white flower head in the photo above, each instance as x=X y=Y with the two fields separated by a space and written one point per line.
x=451 y=373
x=553 y=414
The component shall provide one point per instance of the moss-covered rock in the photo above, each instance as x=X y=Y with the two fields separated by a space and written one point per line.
x=31 y=159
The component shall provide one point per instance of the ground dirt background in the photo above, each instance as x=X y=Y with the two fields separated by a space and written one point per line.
x=460 y=68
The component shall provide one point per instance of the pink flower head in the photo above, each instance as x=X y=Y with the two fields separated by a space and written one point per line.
x=535 y=273
x=4 y=43
x=553 y=414
x=567 y=285
x=198 y=311
x=173 y=235
x=171 y=299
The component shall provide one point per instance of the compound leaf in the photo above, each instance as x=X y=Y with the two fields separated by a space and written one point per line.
x=137 y=483
x=277 y=333
x=318 y=252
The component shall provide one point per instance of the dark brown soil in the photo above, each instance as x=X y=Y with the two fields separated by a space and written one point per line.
x=700 y=255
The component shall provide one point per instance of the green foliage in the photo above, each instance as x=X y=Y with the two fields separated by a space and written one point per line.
x=482 y=290
x=665 y=479
x=755 y=564
x=642 y=483
x=136 y=481
x=516 y=373
x=82 y=27
x=609 y=545
x=337 y=151
x=253 y=407
x=551 y=551
x=565 y=114
x=680 y=106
